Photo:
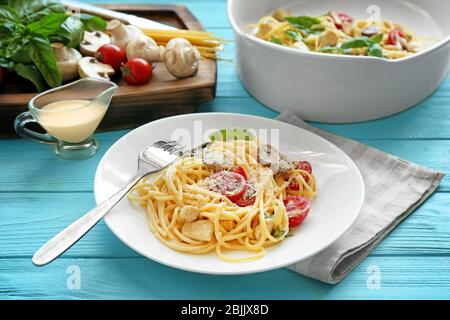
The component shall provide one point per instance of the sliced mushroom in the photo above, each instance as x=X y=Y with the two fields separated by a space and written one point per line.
x=270 y=156
x=201 y=230
x=67 y=61
x=92 y=41
x=89 y=67
x=145 y=48
x=371 y=31
x=121 y=34
x=181 y=58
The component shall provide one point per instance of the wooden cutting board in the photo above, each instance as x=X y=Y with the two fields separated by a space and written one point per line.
x=132 y=106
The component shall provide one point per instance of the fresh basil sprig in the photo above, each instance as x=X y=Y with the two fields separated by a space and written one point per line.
x=372 y=45
x=27 y=29
x=305 y=24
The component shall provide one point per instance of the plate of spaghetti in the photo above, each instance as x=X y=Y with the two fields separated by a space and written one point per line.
x=260 y=195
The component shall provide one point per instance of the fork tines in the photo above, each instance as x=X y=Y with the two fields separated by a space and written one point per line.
x=171 y=146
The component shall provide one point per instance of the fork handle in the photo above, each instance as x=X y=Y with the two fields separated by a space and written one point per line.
x=74 y=232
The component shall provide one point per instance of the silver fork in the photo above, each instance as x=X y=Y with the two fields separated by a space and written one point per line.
x=152 y=159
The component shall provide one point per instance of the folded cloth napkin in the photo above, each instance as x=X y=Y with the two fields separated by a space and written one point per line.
x=388 y=201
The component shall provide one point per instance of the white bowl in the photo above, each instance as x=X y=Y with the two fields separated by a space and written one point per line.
x=336 y=88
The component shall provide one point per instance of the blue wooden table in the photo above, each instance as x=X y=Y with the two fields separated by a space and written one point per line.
x=40 y=195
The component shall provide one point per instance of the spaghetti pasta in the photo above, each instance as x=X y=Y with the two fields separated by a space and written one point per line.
x=234 y=204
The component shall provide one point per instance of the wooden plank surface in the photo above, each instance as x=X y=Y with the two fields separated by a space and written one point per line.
x=40 y=194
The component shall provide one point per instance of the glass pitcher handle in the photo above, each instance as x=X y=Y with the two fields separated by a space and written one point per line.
x=19 y=125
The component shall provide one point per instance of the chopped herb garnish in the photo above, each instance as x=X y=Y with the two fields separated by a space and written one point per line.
x=279 y=233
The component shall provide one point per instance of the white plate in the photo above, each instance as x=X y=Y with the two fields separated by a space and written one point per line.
x=340 y=197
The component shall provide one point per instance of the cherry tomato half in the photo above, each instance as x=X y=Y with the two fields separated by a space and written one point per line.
x=137 y=71
x=245 y=202
x=297 y=208
x=112 y=55
x=301 y=165
x=339 y=18
x=392 y=37
x=241 y=171
x=230 y=184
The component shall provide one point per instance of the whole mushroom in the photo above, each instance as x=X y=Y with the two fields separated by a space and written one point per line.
x=66 y=60
x=92 y=41
x=145 y=48
x=181 y=58
x=121 y=34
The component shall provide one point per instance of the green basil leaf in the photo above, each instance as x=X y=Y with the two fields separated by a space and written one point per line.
x=303 y=21
x=6 y=63
x=8 y=14
x=15 y=45
x=41 y=53
x=31 y=73
x=359 y=42
x=49 y=24
x=92 y=23
x=70 y=33
x=31 y=11
x=296 y=36
x=375 y=51
x=377 y=38
x=317 y=27
x=330 y=49
x=22 y=56
x=231 y=134
x=276 y=40
x=9 y=30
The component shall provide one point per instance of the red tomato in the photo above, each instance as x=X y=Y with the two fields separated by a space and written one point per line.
x=241 y=171
x=301 y=165
x=230 y=184
x=1 y=76
x=112 y=55
x=304 y=165
x=137 y=71
x=401 y=34
x=339 y=18
x=392 y=37
x=293 y=185
x=297 y=208
x=245 y=202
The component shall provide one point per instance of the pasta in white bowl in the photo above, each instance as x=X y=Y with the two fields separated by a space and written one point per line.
x=343 y=84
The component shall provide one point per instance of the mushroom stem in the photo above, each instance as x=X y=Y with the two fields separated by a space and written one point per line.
x=60 y=52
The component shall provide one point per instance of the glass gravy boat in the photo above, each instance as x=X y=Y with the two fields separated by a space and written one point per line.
x=70 y=114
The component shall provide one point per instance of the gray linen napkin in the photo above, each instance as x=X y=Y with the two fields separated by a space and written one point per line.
x=407 y=184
